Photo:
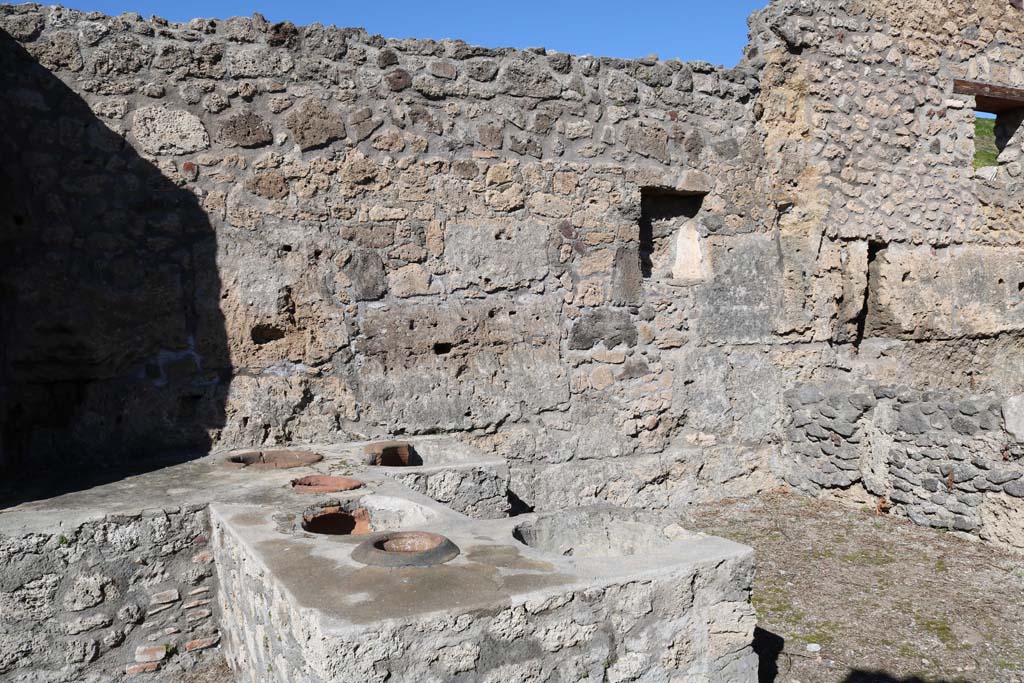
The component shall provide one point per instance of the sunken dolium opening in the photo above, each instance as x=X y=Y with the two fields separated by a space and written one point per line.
x=324 y=483
x=334 y=520
x=392 y=454
x=272 y=459
x=411 y=542
x=601 y=531
x=406 y=549
x=363 y=514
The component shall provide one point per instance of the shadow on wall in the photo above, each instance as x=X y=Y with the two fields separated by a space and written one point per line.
x=770 y=647
x=113 y=352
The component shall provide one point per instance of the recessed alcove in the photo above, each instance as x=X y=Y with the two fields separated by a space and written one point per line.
x=671 y=246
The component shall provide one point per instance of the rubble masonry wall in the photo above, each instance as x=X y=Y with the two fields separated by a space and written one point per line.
x=625 y=276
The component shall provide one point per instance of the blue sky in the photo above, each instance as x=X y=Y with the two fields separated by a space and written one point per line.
x=690 y=30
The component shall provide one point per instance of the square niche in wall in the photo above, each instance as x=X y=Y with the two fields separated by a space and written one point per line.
x=671 y=245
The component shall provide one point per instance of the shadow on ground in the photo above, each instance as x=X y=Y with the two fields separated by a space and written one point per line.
x=112 y=344
x=770 y=649
x=882 y=677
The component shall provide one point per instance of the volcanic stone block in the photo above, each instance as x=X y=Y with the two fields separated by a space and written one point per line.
x=483 y=70
x=525 y=79
x=314 y=125
x=742 y=298
x=923 y=292
x=610 y=326
x=470 y=250
x=246 y=130
x=160 y=130
x=252 y=62
x=627 y=278
x=1013 y=416
x=60 y=52
x=398 y=80
x=476 y=362
x=648 y=139
x=365 y=269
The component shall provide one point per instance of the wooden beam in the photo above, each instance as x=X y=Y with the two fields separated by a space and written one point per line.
x=991 y=98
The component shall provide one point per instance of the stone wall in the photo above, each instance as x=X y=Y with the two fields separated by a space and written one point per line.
x=944 y=459
x=632 y=279
x=109 y=599
x=112 y=341
x=915 y=403
x=414 y=236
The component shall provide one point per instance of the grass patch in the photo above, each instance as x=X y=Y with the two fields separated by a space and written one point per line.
x=940 y=629
x=908 y=651
x=772 y=603
x=985 y=150
x=823 y=634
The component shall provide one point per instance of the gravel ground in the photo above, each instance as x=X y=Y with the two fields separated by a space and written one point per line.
x=844 y=595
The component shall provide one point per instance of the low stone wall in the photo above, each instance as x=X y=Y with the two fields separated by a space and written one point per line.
x=264 y=630
x=211 y=558
x=107 y=600
x=943 y=458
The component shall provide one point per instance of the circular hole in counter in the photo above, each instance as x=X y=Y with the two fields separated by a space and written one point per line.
x=272 y=459
x=392 y=454
x=334 y=520
x=324 y=483
x=406 y=549
x=409 y=542
x=601 y=531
